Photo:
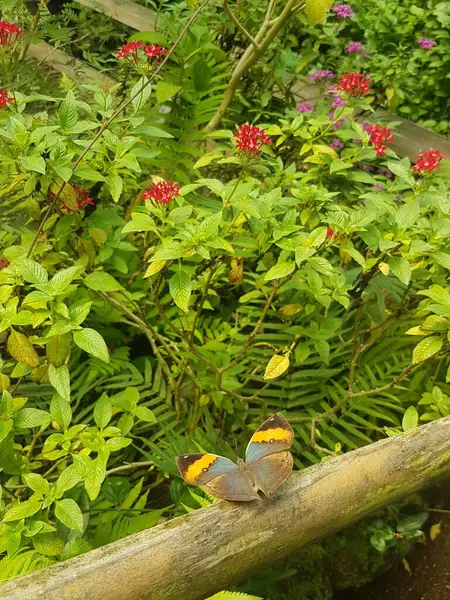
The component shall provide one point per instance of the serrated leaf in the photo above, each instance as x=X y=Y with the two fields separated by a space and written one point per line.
x=281 y=269
x=36 y=482
x=140 y=93
x=277 y=365
x=401 y=172
x=102 y=282
x=68 y=114
x=61 y=281
x=22 y=510
x=426 y=348
x=58 y=348
x=26 y=418
x=410 y=418
x=67 y=480
x=102 y=411
x=114 y=184
x=30 y=270
x=180 y=287
x=94 y=478
x=60 y=379
x=61 y=411
x=69 y=513
x=407 y=215
x=20 y=348
x=92 y=342
x=33 y=163
x=48 y=544
x=400 y=268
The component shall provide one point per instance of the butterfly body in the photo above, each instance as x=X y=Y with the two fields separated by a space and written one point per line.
x=268 y=463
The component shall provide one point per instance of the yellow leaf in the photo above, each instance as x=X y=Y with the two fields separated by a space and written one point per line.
x=20 y=348
x=4 y=382
x=68 y=195
x=316 y=10
x=236 y=273
x=384 y=268
x=291 y=309
x=276 y=366
x=58 y=348
x=98 y=235
x=406 y=565
x=435 y=530
x=155 y=267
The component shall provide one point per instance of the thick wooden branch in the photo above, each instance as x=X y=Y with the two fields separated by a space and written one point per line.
x=210 y=549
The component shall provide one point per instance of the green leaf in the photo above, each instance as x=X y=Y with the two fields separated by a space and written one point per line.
x=22 y=510
x=94 y=478
x=114 y=183
x=33 y=163
x=60 y=379
x=48 y=544
x=410 y=418
x=153 y=132
x=67 y=480
x=61 y=281
x=92 y=342
x=36 y=482
x=281 y=269
x=443 y=259
x=426 y=348
x=5 y=428
x=165 y=91
x=20 y=348
x=401 y=172
x=400 y=268
x=321 y=265
x=140 y=222
x=69 y=513
x=140 y=93
x=102 y=411
x=337 y=164
x=180 y=286
x=26 y=418
x=102 y=282
x=407 y=215
x=30 y=270
x=88 y=173
x=60 y=411
x=68 y=114
x=145 y=414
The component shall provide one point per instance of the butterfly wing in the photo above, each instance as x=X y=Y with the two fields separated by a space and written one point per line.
x=219 y=475
x=270 y=471
x=274 y=435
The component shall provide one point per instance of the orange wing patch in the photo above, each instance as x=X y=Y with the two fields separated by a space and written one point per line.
x=278 y=434
x=197 y=467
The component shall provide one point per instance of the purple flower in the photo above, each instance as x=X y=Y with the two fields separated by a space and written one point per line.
x=338 y=102
x=356 y=47
x=343 y=11
x=336 y=144
x=321 y=75
x=305 y=107
x=378 y=187
x=426 y=43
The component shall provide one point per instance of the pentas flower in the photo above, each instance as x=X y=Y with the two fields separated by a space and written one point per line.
x=337 y=102
x=354 y=84
x=343 y=11
x=379 y=135
x=155 y=52
x=250 y=139
x=304 y=107
x=83 y=199
x=9 y=32
x=5 y=98
x=336 y=144
x=426 y=43
x=129 y=51
x=356 y=48
x=429 y=160
x=162 y=192
x=321 y=75
x=378 y=187
x=4 y=262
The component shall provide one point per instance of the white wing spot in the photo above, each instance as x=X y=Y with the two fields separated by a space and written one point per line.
x=205 y=470
x=271 y=441
x=185 y=456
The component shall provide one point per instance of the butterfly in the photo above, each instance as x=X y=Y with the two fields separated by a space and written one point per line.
x=267 y=464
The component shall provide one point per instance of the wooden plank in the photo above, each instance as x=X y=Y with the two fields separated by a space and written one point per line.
x=131 y=14
x=196 y=555
x=64 y=63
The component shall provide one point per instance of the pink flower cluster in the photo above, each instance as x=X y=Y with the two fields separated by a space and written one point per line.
x=305 y=107
x=356 y=48
x=322 y=75
x=343 y=11
x=426 y=43
x=250 y=140
x=162 y=192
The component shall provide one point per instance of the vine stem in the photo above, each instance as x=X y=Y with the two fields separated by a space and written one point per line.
x=108 y=122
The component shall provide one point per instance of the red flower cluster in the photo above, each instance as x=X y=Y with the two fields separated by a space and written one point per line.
x=379 y=135
x=250 y=139
x=355 y=84
x=155 y=52
x=162 y=191
x=5 y=98
x=330 y=233
x=428 y=161
x=4 y=262
x=82 y=200
x=9 y=32
x=129 y=50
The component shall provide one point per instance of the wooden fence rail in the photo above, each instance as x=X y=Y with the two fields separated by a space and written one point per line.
x=194 y=556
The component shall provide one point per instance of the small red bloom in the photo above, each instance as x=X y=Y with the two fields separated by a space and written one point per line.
x=355 y=84
x=379 y=135
x=155 y=52
x=9 y=32
x=129 y=51
x=5 y=98
x=330 y=233
x=428 y=161
x=162 y=191
x=250 y=139
x=83 y=197
x=4 y=262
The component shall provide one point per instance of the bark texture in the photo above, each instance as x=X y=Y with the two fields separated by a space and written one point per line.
x=194 y=556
